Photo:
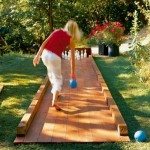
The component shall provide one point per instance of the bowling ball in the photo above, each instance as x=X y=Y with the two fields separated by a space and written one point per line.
x=73 y=83
x=140 y=136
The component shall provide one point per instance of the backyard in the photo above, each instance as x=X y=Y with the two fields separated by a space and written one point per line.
x=119 y=29
x=21 y=80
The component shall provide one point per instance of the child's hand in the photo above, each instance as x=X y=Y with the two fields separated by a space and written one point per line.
x=36 y=60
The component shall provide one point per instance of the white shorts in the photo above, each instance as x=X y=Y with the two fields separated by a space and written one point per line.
x=53 y=64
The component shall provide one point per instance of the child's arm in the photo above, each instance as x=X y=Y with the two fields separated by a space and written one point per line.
x=72 y=60
x=36 y=59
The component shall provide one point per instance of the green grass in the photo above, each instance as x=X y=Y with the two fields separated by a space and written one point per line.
x=22 y=80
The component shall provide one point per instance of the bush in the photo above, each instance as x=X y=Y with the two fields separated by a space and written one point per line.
x=108 y=33
x=144 y=72
x=140 y=58
x=139 y=54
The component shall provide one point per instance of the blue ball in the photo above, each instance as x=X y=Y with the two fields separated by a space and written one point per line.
x=140 y=136
x=73 y=83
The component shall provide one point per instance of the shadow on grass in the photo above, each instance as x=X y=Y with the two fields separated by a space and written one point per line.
x=72 y=146
x=18 y=95
x=112 y=69
x=141 y=109
x=21 y=81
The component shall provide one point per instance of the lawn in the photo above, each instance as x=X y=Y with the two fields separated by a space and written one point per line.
x=21 y=81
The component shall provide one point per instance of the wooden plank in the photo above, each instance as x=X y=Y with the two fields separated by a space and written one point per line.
x=100 y=78
x=33 y=108
x=26 y=120
x=19 y=140
x=59 y=135
x=110 y=102
x=95 y=66
x=121 y=125
x=39 y=119
x=102 y=125
x=107 y=94
x=85 y=115
x=104 y=87
x=119 y=121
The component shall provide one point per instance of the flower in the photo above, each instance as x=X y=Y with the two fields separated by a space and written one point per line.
x=95 y=37
x=113 y=33
x=108 y=33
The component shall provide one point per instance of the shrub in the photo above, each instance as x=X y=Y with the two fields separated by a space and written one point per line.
x=108 y=33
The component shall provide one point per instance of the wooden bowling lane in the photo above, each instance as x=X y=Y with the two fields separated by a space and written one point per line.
x=85 y=115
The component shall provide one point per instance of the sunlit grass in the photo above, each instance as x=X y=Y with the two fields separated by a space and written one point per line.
x=21 y=81
x=17 y=79
x=132 y=96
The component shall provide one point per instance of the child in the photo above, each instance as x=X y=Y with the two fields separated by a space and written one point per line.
x=50 y=51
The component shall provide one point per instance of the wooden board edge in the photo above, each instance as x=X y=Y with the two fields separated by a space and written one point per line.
x=28 y=117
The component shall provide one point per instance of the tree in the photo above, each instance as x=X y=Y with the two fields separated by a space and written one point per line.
x=27 y=23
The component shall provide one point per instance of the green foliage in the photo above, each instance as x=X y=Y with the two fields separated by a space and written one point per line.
x=113 y=34
x=135 y=25
x=71 y=10
x=93 y=41
x=29 y=22
x=41 y=17
x=145 y=9
x=13 y=27
x=108 y=33
x=140 y=58
x=139 y=54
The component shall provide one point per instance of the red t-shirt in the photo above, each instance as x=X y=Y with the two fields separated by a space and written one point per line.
x=58 y=42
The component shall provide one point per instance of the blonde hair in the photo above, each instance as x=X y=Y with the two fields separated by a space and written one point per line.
x=73 y=29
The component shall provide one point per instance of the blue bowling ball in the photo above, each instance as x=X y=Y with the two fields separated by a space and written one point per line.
x=73 y=83
x=140 y=136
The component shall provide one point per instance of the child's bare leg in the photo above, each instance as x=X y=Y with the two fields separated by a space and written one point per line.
x=55 y=97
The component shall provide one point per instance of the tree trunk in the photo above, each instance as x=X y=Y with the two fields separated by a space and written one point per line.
x=50 y=15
